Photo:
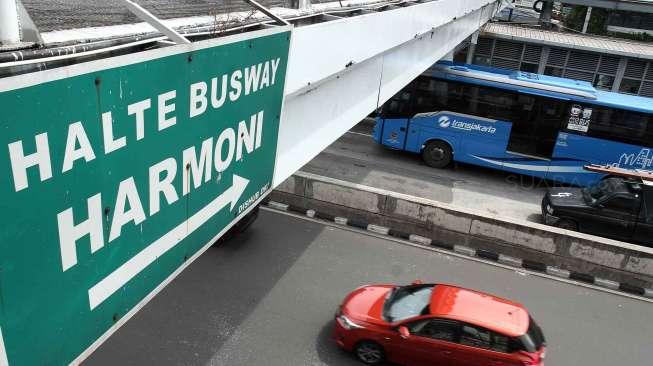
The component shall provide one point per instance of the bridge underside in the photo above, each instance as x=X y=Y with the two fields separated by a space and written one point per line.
x=342 y=70
x=346 y=58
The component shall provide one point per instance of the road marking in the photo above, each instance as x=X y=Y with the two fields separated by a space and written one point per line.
x=461 y=256
x=123 y=274
x=359 y=133
x=4 y=361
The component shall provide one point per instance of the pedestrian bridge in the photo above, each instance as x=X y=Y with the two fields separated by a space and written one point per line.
x=346 y=57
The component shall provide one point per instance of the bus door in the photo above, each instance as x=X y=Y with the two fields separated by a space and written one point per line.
x=393 y=121
x=535 y=127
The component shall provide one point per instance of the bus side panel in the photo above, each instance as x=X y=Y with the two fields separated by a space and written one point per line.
x=393 y=132
x=378 y=128
x=578 y=150
x=486 y=149
x=481 y=146
x=422 y=130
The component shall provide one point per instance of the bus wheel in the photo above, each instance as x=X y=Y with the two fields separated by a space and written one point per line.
x=437 y=154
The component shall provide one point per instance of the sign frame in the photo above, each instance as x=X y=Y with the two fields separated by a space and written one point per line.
x=37 y=78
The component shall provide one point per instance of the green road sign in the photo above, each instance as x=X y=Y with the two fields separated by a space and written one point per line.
x=119 y=172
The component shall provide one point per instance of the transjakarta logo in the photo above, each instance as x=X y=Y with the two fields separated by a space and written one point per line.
x=445 y=122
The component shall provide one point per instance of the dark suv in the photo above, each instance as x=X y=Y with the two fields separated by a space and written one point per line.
x=616 y=208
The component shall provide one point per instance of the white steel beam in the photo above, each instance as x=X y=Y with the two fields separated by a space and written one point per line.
x=340 y=71
x=155 y=22
x=9 y=22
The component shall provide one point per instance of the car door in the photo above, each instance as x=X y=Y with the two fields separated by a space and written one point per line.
x=616 y=216
x=432 y=342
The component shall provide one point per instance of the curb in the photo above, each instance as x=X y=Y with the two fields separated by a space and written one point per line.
x=467 y=251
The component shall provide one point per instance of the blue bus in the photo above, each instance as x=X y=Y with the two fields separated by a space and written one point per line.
x=537 y=125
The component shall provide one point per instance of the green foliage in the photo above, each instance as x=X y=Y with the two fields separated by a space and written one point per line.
x=575 y=19
x=642 y=37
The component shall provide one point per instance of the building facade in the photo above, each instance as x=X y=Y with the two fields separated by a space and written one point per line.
x=614 y=65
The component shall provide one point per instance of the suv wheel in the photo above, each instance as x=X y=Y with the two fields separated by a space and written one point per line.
x=370 y=352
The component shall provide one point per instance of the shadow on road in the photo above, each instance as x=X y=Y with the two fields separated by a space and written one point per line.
x=193 y=317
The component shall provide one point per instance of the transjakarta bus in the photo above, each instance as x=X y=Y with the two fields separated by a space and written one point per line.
x=526 y=123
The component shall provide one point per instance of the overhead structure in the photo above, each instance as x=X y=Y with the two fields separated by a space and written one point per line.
x=340 y=71
x=132 y=148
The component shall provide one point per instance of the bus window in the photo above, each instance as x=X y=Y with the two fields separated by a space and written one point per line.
x=522 y=138
x=425 y=97
x=495 y=103
x=398 y=106
x=441 y=94
x=457 y=98
x=535 y=126
x=620 y=125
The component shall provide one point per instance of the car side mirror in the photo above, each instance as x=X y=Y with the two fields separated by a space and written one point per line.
x=403 y=332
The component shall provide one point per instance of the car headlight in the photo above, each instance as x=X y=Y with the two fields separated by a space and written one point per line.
x=549 y=209
x=347 y=323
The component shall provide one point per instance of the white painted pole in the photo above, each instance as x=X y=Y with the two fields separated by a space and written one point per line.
x=587 y=19
x=9 y=24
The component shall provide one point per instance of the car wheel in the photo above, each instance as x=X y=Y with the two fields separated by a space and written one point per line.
x=437 y=154
x=567 y=224
x=370 y=352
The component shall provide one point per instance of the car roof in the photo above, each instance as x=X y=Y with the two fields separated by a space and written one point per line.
x=480 y=309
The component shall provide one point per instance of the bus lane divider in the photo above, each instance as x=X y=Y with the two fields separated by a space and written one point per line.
x=359 y=211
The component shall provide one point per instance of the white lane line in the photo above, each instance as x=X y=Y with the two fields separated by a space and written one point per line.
x=359 y=133
x=128 y=270
x=462 y=256
x=3 y=353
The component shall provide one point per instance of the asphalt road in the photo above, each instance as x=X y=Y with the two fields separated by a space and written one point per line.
x=355 y=157
x=268 y=297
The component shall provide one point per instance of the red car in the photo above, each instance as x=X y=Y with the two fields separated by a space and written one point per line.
x=440 y=325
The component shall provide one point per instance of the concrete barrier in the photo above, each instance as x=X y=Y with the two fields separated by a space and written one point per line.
x=444 y=223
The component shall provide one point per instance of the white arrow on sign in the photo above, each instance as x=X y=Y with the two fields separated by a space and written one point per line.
x=123 y=274
x=3 y=352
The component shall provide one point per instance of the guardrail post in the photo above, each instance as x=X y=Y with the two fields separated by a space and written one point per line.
x=9 y=23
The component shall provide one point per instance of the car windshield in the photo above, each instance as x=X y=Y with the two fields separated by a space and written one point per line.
x=406 y=302
x=603 y=188
x=533 y=340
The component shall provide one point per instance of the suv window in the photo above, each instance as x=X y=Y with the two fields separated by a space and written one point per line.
x=626 y=204
x=445 y=330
